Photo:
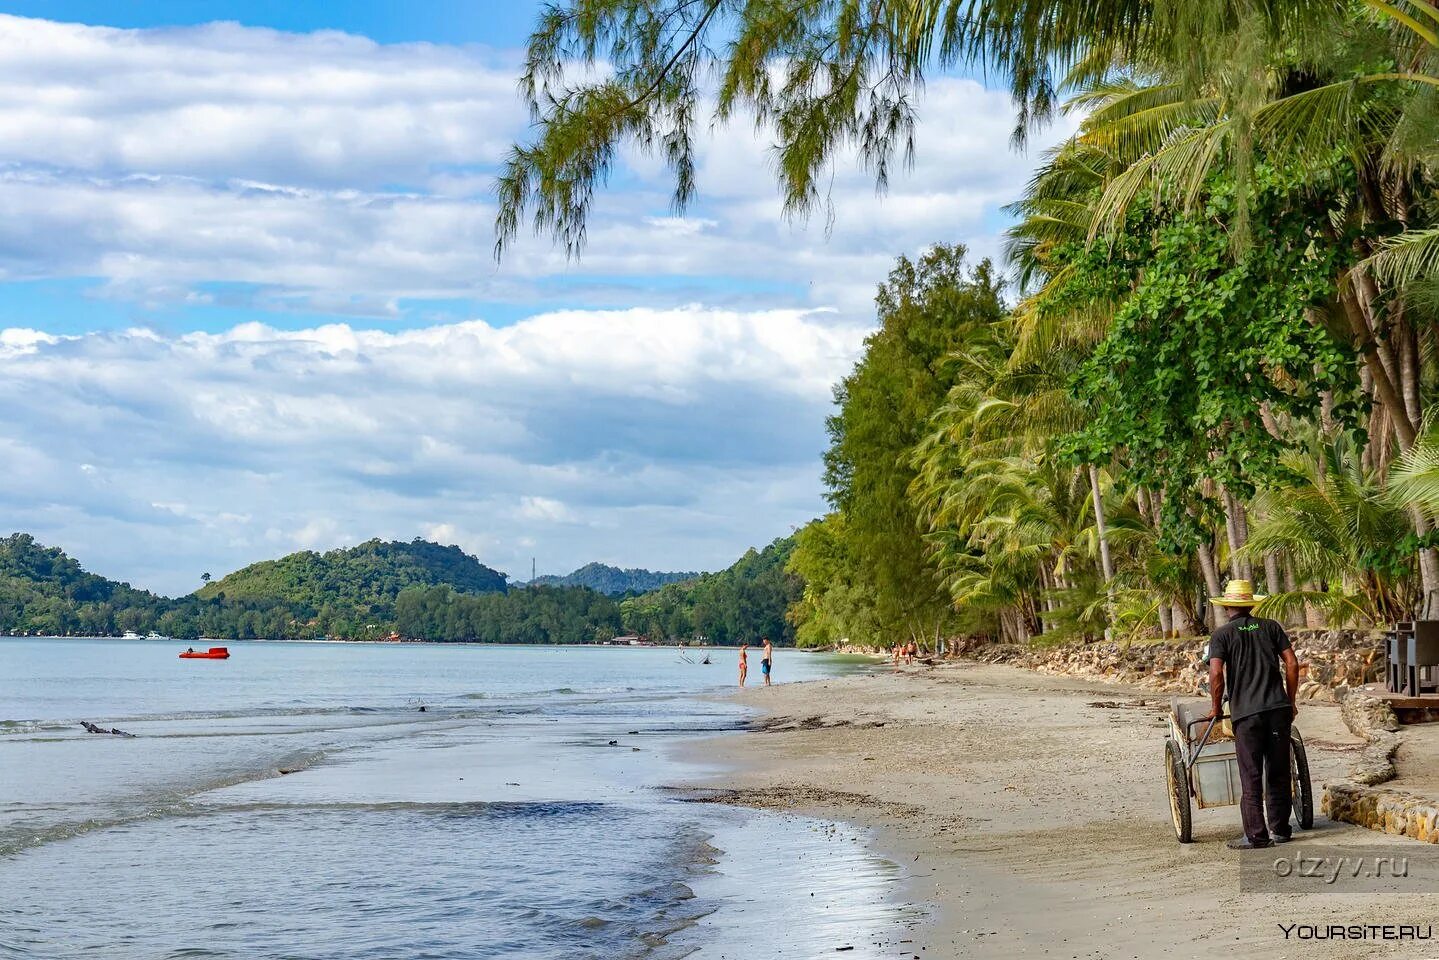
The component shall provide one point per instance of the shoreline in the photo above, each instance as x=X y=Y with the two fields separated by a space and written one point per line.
x=1027 y=815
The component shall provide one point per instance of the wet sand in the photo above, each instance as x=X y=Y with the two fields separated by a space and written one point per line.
x=1029 y=817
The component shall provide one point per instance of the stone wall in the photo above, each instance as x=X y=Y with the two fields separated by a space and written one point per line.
x=1388 y=811
x=1329 y=659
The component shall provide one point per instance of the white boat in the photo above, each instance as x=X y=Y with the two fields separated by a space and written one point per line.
x=152 y=635
x=131 y=635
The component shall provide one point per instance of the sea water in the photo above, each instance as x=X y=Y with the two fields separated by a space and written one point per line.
x=399 y=801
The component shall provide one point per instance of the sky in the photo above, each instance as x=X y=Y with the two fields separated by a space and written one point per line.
x=248 y=303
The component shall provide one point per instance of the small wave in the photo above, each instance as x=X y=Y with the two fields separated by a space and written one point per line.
x=14 y=728
x=176 y=801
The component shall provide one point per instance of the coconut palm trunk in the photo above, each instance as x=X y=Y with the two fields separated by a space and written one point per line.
x=1106 y=562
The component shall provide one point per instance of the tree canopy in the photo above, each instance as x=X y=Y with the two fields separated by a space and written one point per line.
x=1223 y=355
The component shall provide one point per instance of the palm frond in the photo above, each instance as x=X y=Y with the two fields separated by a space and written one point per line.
x=1405 y=259
x=1128 y=122
x=1183 y=165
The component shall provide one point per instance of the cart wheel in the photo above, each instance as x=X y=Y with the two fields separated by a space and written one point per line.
x=1177 y=778
x=1303 y=789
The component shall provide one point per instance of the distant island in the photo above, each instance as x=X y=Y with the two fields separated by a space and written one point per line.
x=416 y=590
x=613 y=581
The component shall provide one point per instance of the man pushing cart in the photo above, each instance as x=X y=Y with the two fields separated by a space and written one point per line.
x=1251 y=660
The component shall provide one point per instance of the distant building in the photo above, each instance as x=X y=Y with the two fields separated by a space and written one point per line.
x=629 y=640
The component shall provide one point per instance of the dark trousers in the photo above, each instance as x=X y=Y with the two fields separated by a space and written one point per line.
x=1261 y=745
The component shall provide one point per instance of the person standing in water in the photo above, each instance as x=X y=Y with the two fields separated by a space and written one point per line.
x=743 y=662
x=767 y=663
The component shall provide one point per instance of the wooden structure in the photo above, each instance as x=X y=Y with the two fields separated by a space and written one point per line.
x=1412 y=652
x=1411 y=671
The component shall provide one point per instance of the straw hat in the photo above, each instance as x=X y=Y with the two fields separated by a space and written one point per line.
x=1237 y=593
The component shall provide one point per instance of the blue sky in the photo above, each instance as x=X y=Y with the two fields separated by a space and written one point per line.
x=502 y=24
x=248 y=303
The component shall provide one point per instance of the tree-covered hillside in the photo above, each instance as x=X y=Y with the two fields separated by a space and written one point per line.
x=614 y=581
x=741 y=604
x=538 y=614
x=369 y=576
x=42 y=589
x=421 y=589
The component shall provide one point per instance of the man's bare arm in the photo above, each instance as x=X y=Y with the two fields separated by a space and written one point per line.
x=1216 y=686
x=1291 y=678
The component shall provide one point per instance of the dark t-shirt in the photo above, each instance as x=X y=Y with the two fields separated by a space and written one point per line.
x=1250 y=648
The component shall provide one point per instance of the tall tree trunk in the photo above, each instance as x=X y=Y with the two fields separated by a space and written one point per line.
x=1045 y=586
x=1184 y=623
x=1149 y=513
x=1409 y=375
x=1312 y=616
x=1271 y=425
x=1146 y=512
x=1236 y=526
x=1105 y=562
x=1408 y=363
x=1428 y=567
x=1272 y=580
x=1373 y=354
x=1211 y=576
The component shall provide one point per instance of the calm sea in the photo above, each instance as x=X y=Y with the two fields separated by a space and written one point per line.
x=519 y=814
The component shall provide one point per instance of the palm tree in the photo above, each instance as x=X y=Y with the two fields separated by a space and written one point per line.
x=1347 y=536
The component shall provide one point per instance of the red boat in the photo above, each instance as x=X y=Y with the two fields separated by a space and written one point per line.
x=214 y=653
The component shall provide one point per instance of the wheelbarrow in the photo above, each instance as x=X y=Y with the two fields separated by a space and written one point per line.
x=1203 y=771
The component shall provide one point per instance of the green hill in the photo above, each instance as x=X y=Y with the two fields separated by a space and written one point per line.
x=369 y=576
x=613 y=581
x=42 y=590
x=736 y=605
x=421 y=589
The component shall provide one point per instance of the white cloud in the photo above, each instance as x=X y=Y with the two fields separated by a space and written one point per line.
x=172 y=454
x=545 y=510
x=328 y=173
x=669 y=416
x=224 y=100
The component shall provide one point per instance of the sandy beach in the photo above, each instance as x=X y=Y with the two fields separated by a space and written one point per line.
x=1029 y=817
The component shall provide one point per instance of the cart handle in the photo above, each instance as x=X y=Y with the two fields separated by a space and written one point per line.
x=1204 y=740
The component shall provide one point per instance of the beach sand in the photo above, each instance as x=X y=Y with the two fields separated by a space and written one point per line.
x=1029 y=816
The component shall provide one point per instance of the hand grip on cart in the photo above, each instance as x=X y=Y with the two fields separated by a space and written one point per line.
x=1209 y=720
x=1189 y=732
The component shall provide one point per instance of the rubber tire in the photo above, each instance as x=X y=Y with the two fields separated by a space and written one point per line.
x=1177 y=780
x=1303 y=789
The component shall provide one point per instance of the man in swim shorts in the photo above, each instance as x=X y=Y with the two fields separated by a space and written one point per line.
x=768 y=661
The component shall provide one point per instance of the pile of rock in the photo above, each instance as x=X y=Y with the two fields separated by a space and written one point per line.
x=1330 y=660
x=1359 y=800
x=1373 y=721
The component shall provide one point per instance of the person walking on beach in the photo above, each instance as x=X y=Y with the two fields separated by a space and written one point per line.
x=1245 y=656
x=767 y=663
x=743 y=662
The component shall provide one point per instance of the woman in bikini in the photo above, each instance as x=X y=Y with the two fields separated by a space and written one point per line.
x=743 y=662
